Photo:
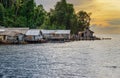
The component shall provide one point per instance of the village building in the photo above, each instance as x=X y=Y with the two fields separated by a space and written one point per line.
x=9 y=37
x=1 y=36
x=33 y=35
x=87 y=34
x=26 y=35
x=56 y=34
x=12 y=35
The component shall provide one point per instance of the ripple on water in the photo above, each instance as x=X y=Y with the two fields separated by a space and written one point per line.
x=80 y=59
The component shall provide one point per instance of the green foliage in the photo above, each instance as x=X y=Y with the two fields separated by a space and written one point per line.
x=83 y=20
x=29 y=11
x=61 y=13
x=7 y=3
x=25 y=13
x=18 y=4
x=20 y=23
x=61 y=16
x=39 y=15
x=64 y=17
x=1 y=14
x=21 y=13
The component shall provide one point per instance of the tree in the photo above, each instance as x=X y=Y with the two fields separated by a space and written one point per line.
x=7 y=3
x=39 y=15
x=20 y=21
x=62 y=15
x=70 y=17
x=1 y=14
x=83 y=20
x=29 y=12
x=18 y=4
x=74 y=28
x=25 y=13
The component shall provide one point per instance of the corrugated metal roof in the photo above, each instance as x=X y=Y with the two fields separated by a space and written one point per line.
x=33 y=32
x=63 y=32
x=55 y=31
x=47 y=31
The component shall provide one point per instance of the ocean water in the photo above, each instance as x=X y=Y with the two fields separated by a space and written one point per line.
x=78 y=59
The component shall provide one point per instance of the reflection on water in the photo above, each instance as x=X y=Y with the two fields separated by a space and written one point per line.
x=81 y=59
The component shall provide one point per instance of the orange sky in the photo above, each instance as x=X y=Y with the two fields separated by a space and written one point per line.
x=102 y=10
x=105 y=13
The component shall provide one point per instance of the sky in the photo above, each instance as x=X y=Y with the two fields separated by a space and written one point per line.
x=105 y=13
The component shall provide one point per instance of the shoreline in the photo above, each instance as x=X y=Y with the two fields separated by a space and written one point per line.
x=49 y=41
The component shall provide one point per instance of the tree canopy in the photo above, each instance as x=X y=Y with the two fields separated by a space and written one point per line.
x=25 y=13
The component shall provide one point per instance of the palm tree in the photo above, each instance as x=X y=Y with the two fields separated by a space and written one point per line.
x=18 y=5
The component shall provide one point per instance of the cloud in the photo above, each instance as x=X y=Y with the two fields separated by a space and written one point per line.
x=47 y=4
x=114 y=21
x=77 y=3
x=80 y=2
x=106 y=30
x=112 y=26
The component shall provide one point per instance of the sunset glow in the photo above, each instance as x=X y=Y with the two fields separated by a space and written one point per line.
x=105 y=13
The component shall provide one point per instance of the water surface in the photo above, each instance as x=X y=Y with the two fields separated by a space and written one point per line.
x=79 y=59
